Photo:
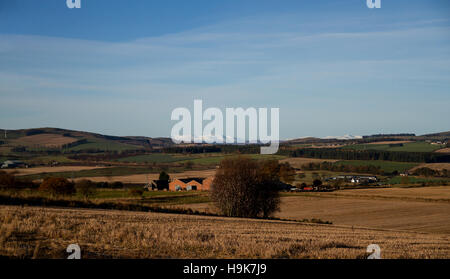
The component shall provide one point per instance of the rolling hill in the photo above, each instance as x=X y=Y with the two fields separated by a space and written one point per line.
x=41 y=138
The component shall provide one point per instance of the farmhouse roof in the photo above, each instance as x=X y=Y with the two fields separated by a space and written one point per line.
x=187 y=180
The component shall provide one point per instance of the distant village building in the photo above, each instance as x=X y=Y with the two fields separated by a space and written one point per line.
x=354 y=179
x=10 y=164
x=190 y=184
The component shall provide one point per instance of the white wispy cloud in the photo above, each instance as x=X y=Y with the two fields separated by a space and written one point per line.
x=141 y=81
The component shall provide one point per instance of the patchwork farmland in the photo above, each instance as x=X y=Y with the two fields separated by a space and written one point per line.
x=406 y=209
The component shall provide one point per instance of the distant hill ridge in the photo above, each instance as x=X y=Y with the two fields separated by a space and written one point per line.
x=140 y=141
x=441 y=134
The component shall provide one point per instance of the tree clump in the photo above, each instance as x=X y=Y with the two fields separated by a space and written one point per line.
x=244 y=187
x=57 y=186
x=7 y=181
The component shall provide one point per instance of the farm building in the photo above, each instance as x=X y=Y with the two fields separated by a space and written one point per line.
x=190 y=184
x=9 y=164
x=354 y=178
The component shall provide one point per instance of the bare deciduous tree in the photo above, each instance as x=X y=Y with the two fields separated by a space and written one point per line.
x=57 y=186
x=244 y=187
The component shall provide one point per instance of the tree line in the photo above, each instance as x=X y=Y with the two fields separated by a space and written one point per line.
x=216 y=148
x=399 y=156
x=343 y=168
x=390 y=135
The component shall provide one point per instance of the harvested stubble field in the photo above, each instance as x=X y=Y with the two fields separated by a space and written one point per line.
x=421 y=209
x=435 y=193
x=384 y=214
x=33 y=232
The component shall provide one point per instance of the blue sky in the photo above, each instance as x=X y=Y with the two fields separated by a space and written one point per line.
x=121 y=67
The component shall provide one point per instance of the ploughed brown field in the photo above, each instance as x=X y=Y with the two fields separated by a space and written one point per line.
x=434 y=166
x=443 y=150
x=45 y=140
x=38 y=170
x=421 y=209
x=33 y=232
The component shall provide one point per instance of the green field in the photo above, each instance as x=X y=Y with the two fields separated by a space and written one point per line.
x=154 y=197
x=208 y=160
x=48 y=159
x=3 y=158
x=124 y=193
x=415 y=180
x=151 y=198
x=310 y=176
x=387 y=166
x=13 y=134
x=407 y=147
x=103 y=145
x=301 y=145
x=266 y=157
x=199 y=159
x=156 y=158
x=417 y=147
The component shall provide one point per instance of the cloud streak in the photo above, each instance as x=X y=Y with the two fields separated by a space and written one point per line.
x=130 y=88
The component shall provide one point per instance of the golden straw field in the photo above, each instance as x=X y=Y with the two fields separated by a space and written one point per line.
x=34 y=232
x=419 y=209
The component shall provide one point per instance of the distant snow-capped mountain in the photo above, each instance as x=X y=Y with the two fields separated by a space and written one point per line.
x=345 y=137
x=215 y=139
